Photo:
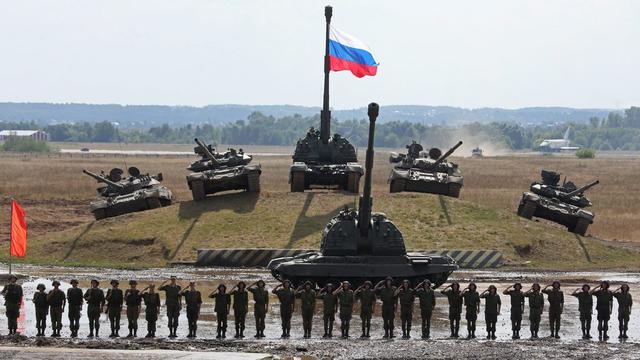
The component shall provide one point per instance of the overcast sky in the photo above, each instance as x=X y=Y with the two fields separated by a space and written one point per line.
x=460 y=53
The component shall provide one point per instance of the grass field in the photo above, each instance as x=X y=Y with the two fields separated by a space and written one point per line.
x=55 y=195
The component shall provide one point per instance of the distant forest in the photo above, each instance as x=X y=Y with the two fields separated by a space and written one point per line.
x=614 y=131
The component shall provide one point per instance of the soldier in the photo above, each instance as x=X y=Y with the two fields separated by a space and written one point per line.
x=286 y=297
x=40 y=301
x=386 y=293
x=173 y=303
x=240 y=307
x=329 y=308
x=517 y=308
x=536 y=306
x=133 y=299
x=604 y=305
x=367 y=306
x=555 y=297
x=427 y=297
x=585 y=307
x=454 y=295
x=95 y=300
x=152 y=308
x=75 y=300
x=222 y=307
x=308 y=298
x=492 y=305
x=346 y=299
x=57 y=301
x=406 y=296
x=12 y=293
x=115 y=299
x=193 y=299
x=624 y=309
x=472 y=306
x=260 y=306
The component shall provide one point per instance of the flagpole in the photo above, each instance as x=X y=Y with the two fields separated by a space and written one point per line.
x=325 y=113
x=10 y=232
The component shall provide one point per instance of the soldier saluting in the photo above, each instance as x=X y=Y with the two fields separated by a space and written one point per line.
x=604 y=305
x=585 y=307
x=308 y=299
x=492 y=307
x=94 y=297
x=193 y=299
x=151 y=308
x=287 y=297
x=222 y=307
x=329 y=308
x=240 y=307
x=56 y=300
x=472 y=306
x=454 y=295
x=536 y=306
x=367 y=306
x=173 y=303
x=624 y=309
x=261 y=304
x=12 y=293
x=406 y=296
x=133 y=299
x=386 y=293
x=517 y=308
x=75 y=300
x=555 y=297
x=345 y=298
x=427 y=298
x=115 y=299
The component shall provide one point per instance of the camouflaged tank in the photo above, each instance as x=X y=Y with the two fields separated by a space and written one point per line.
x=362 y=245
x=216 y=172
x=137 y=192
x=563 y=204
x=418 y=171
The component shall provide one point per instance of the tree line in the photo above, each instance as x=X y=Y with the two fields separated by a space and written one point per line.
x=617 y=131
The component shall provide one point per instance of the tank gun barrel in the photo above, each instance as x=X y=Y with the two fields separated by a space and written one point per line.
x=364 y=211
x=447 y=154
x=206 y=151
x=103 y=179
x=582 y=189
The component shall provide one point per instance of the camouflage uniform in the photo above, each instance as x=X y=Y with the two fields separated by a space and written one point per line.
x=56 y=300
x=471 y=302
x=585 y=307
x=193 y=300
x=406 y=298
x=133 y=299
x=115 y=299
x=151 y=307
x=604 y=300
x=491 y=308
x=389 y=304
x=556 y=301
x=536 y=306
x=367 y=300
x=261 y=302
x=222 y=311
x=517 y=308
x=12 y=299
x=308 y=298
x=75 y=300
x=427 y=304
x=42 y=307
x=240 y=309
x=624 y=310
x=329 y=303
x=174 y=305
x=95 y=301
x=346 y=299
x=455 y=309
x=286 y=297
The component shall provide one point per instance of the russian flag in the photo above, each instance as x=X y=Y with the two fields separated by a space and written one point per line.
x=348 y=53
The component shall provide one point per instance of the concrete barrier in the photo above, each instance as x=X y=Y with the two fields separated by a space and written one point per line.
x=467 y=259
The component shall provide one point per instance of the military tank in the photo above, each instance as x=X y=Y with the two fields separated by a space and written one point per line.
x=362 y=245
x=216 y=172
x=136 y=192
x=418 y=171
x=477 y=153
x=563 y=204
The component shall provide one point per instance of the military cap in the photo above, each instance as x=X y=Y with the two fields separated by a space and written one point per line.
x=95 y=281
x=172 y=277
x=13 y=277
x=308 y=283
x=242 y=283
x=114 y=282
x=329 y=285
x=388 y=278
x=192 y=282
x=133 y=282
x=73 y=281
x=40 y=286
x=368 y=283
x=261 y=282
x=222 y=286
x=517 y=285
x=55 y=283
x=285 y=281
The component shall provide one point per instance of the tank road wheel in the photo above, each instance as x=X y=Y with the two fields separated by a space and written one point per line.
x=454 y=190
x=153 y=203
x=580 y=227
x=353 y=183
x=297 y=181
x=253 y=182
x=527 y=209
x=197 y=190
x=100 y=214
x=397 y=185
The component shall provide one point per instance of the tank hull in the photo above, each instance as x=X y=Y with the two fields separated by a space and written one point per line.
x=344 y=176
x=416 y=180
x=573 y=217
x=140 y=200
x=320 y=269
x=243 y=177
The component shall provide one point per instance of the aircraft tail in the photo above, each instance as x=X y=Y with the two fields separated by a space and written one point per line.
x=566 y=133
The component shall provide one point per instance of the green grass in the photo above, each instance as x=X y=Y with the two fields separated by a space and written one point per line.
x=287 y=220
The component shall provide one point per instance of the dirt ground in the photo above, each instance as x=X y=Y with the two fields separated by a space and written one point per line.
x=570 y=346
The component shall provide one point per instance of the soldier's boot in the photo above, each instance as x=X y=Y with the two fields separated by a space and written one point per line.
x=391 y=336
x=347 y=331
x=453 y=331
x=404 y=329
x=364 y=329
x=237 y=335
x=241 y=331
x=409 y=331
x=386 y=334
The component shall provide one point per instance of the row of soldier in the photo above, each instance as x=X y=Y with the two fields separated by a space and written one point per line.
x=338 y=299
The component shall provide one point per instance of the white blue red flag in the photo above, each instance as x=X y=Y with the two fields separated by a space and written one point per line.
x=348 y=53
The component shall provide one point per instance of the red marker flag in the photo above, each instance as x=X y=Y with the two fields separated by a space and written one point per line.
x=18 y=230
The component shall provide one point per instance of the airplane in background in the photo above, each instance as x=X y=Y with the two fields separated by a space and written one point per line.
x=557 y=145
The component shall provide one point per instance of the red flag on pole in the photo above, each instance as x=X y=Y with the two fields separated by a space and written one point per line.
x=18 y=230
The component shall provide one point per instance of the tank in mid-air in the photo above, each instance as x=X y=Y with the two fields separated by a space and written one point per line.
x=216 y=172
x=428 y=172
x=561 y=203
x=362 y=245
x=122 y=195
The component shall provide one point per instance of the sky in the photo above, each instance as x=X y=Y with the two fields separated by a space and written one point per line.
x=471 y=54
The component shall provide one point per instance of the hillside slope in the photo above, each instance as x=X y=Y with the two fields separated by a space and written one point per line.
x=288 y=220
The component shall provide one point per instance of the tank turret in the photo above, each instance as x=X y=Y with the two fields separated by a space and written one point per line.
x=104 y=180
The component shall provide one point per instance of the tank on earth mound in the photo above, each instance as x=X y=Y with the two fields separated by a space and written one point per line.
x=216 y=172
x=137 y=192
x=477 y=153
x=417 y=171
x=563 y=204
x=361 y=245
x=324 y=164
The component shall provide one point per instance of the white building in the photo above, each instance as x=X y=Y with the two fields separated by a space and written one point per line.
x=37 y=135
